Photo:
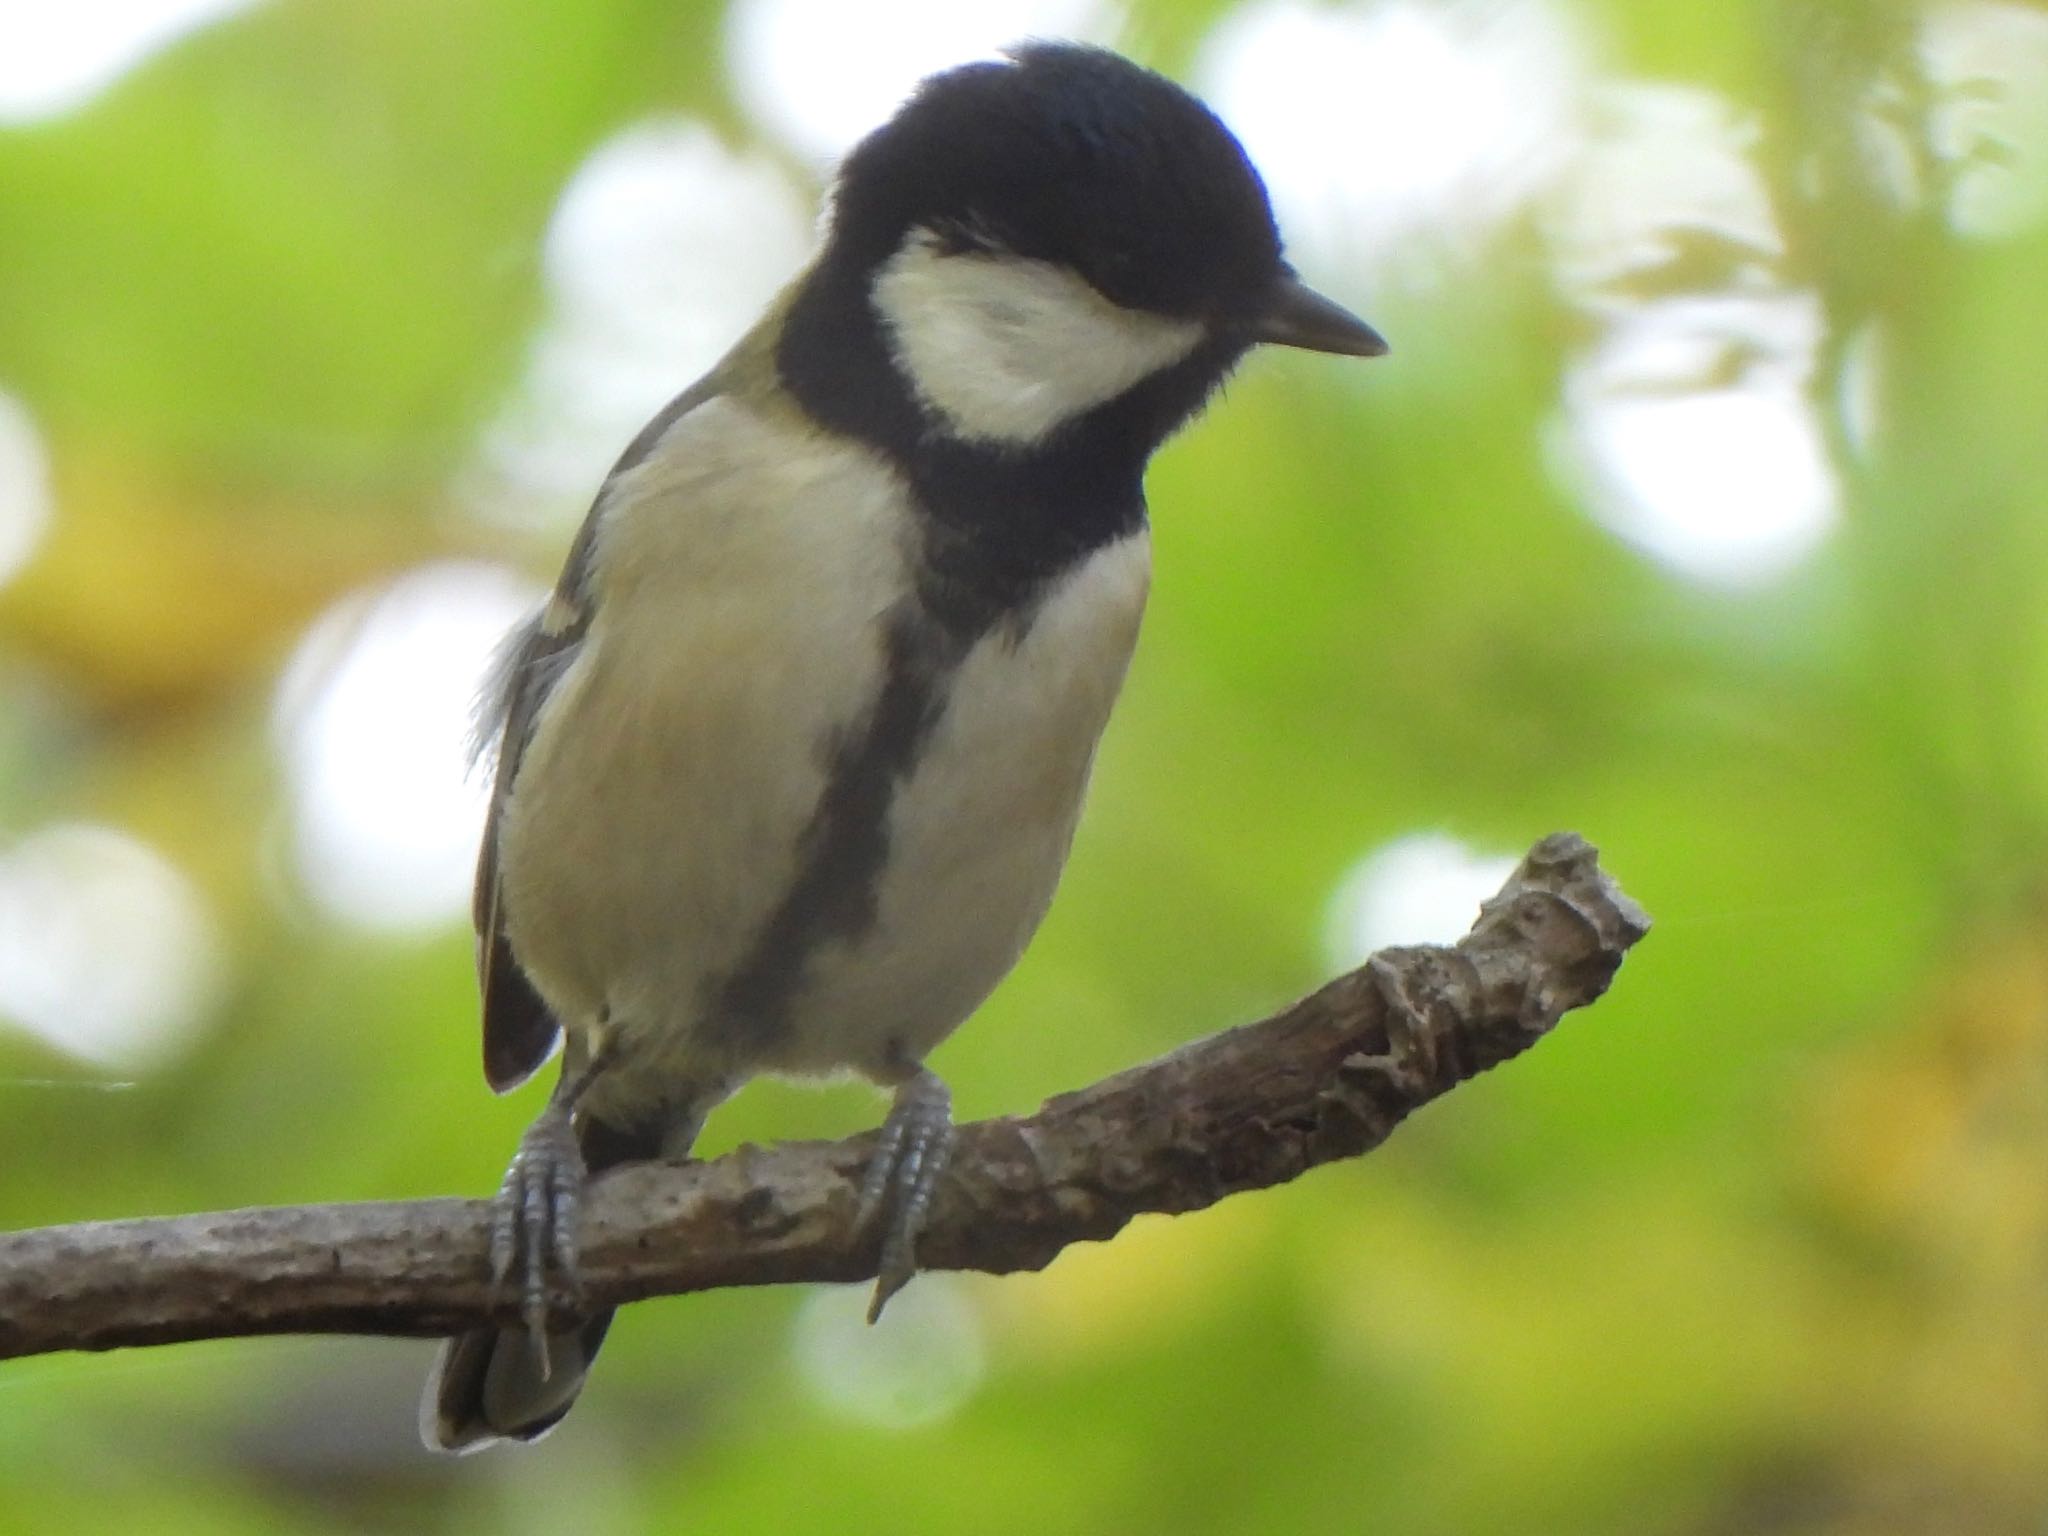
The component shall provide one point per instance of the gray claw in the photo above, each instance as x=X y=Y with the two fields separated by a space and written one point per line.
x=565 y=1199
x=915 y=1142
x=534 y=1220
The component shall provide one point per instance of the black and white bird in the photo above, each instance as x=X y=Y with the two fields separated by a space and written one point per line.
x=788 y=766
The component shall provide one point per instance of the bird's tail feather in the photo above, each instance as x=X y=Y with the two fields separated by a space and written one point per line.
x=491 y=1384
x=488 y=1385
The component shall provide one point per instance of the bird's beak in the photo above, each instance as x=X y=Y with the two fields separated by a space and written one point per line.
x=1298 y=316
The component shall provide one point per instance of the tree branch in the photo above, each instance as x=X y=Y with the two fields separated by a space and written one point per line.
x=1254 y=1106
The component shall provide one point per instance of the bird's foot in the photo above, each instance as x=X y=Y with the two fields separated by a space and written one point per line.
x=916 y=1140
x=534 y=1222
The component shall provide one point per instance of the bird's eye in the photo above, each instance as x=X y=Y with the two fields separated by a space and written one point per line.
x=1117 y=275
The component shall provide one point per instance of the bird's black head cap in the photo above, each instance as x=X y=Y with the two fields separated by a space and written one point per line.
x=1073 y=156
x=1070 y=154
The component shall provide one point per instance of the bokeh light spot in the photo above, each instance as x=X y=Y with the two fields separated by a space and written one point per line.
x=1989 y=65
x=918 y=1365
x=819 y=74
x=1424 y=888
x=373 y=717
x=1687 y=427
x=665 y=244
x=54 y=58
x=106 y=951
x=1730 y=485
x=24 y=486
x=1388 y=132
x=1662 y=189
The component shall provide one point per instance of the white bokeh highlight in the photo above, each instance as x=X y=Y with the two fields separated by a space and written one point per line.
x=918 y=1365
x=1988 y=64
x=24 y=486
x=1859 y=392
x=56 y=58
x=1661 y=164
x=1728 y=484
x=818 y=74
x=663 y=248
x=373 y=719
x=1393 y=132
x=1424 y=888
x=1688 y=427
x=106 y=950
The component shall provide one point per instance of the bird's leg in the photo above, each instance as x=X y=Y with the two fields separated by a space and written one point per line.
x=534 y=1217
x=915 y=1143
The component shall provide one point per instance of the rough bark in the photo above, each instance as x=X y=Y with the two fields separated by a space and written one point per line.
x=1329 y=1077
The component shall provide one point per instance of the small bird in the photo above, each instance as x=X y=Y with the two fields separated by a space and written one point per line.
x=789 y=764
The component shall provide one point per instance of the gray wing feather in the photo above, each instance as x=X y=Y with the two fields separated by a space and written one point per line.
x=519 y=1028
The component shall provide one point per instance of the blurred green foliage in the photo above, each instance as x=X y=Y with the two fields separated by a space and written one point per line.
x=1758 y=1245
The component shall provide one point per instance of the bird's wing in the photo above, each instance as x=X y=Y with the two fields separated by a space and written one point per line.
x=519 y=1027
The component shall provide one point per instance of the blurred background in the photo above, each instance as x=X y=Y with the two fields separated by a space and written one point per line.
x=1698 y=509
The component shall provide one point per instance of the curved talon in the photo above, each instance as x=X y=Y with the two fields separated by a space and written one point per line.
x=534 y=1221
x=565 y=1196
x=533 y=1225
x=874 y=1187
x=910 y=1156
x=504 y=1235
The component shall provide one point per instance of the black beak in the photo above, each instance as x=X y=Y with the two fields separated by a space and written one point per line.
x=1298 y=316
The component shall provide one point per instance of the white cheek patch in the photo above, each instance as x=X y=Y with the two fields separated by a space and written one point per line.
x=1004 y=349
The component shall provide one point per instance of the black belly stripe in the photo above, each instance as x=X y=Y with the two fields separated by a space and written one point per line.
x=972 y=581
x=997 y=527
x=846 y=845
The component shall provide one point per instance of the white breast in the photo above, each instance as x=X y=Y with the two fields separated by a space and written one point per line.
x=980 y=831
x=744 y=571
x=656 y=817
